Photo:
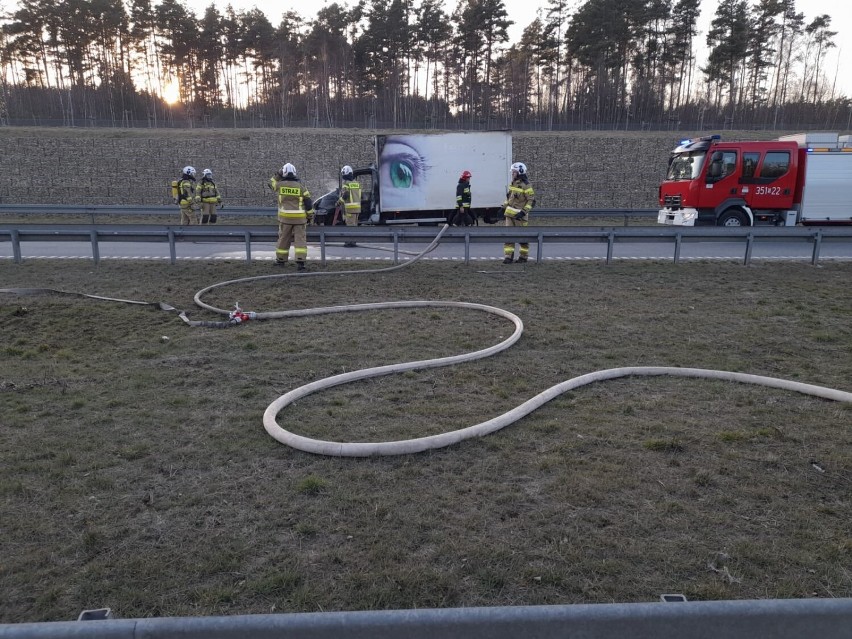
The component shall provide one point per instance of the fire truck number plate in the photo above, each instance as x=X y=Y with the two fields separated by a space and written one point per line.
x=767 y=190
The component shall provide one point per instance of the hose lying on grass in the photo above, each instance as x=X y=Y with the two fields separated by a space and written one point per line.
x=420 y=444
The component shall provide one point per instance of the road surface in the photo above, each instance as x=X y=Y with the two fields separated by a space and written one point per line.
x=709 y=250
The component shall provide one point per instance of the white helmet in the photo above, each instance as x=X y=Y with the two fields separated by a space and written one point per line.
x=288 y=169
x=347 y=172
x=207 y=173
x=520 y=167
x=189 y=170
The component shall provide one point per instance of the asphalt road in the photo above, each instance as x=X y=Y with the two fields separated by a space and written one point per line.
x=775 y=249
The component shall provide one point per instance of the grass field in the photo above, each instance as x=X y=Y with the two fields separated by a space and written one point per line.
x=137 y=475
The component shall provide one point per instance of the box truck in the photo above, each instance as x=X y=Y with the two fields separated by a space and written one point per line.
x=414 y=176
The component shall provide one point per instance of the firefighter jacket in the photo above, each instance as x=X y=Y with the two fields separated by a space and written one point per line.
x=186 y=191
x=463 y=194
x=350 y=197
x=294 y=200
x=208 y=191
x=275 y=179
x=520 y=197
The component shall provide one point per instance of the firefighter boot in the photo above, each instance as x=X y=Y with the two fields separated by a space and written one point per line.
x=300 y=266
x=205 y=219
x=522 y=259
x=508 y=260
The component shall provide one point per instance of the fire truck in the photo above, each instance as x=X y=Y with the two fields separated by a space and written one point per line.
x=796 y=179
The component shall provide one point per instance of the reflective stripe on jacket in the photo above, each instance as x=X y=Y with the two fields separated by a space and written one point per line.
x=350 y=197
x=520 y=197
x=207 y=191
x=463 y=194
x=291 y=200
x=186 y=190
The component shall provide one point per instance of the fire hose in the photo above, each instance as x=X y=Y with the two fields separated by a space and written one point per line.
x=420 y=444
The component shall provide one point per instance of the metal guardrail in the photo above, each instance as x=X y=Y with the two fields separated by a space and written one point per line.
x=750 y=619
x=396 y=235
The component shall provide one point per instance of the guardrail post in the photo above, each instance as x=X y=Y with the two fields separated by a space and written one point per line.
x=96 y=253
x=610 y=241
x=172 y=249
x=396 y=247
x=539 y=248
x=16 y=246
x=817 y=245
x=248 y=247
x=749 y=244
x=678 y=240
x=322 y=247
x=467 y=247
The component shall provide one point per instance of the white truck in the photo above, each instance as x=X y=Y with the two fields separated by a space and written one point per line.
x=796 y=179
x=414 y=178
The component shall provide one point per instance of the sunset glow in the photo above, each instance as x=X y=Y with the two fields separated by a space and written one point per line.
x=171 y=92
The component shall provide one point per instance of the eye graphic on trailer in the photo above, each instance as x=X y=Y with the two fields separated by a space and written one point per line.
x=402 y=165
x=403 y=172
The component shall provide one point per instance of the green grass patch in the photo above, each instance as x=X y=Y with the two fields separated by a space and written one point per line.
x=663 y=445
x=138 y=475
x=312 y=485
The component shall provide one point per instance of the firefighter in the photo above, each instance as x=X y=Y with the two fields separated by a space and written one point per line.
x=208 y=192
x=350 y=198
x=294 y=203
x=462 y=215
x=183 y=194
x=516 y=210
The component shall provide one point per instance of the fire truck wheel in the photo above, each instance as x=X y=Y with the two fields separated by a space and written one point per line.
x=733 y=217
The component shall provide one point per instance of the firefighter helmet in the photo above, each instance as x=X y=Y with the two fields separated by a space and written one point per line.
x=189 y=170
x=465 y=175
x=207 y=173
x=288 y=169
x=347 y=173
x=520 y=167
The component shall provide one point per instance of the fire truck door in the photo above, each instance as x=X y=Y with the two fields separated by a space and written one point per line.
x=722 y=180
x=773 y=184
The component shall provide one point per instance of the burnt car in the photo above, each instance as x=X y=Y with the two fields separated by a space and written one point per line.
x=324 y=208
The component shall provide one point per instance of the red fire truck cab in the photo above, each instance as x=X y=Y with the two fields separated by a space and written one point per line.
x=796 y=179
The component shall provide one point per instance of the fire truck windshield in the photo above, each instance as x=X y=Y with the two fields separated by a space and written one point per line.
x=685 y=166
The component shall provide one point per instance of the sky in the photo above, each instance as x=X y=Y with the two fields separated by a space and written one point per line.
x=524 y=11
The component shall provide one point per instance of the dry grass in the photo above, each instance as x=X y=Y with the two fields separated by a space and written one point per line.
x=137 y=474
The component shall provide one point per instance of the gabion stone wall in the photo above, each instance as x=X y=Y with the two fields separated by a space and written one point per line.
x=136 y=166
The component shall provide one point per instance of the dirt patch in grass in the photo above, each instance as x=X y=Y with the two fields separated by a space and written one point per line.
x=137 y=475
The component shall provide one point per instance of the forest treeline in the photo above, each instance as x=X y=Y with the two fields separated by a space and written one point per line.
x=602 y=64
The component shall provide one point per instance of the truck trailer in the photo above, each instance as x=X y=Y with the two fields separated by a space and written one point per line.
x=413 y=179
x=796 y=179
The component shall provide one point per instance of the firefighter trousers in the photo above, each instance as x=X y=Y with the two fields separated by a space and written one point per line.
x=208 y=213
x=291 y=233
x=509 y=247
x=188 y=215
